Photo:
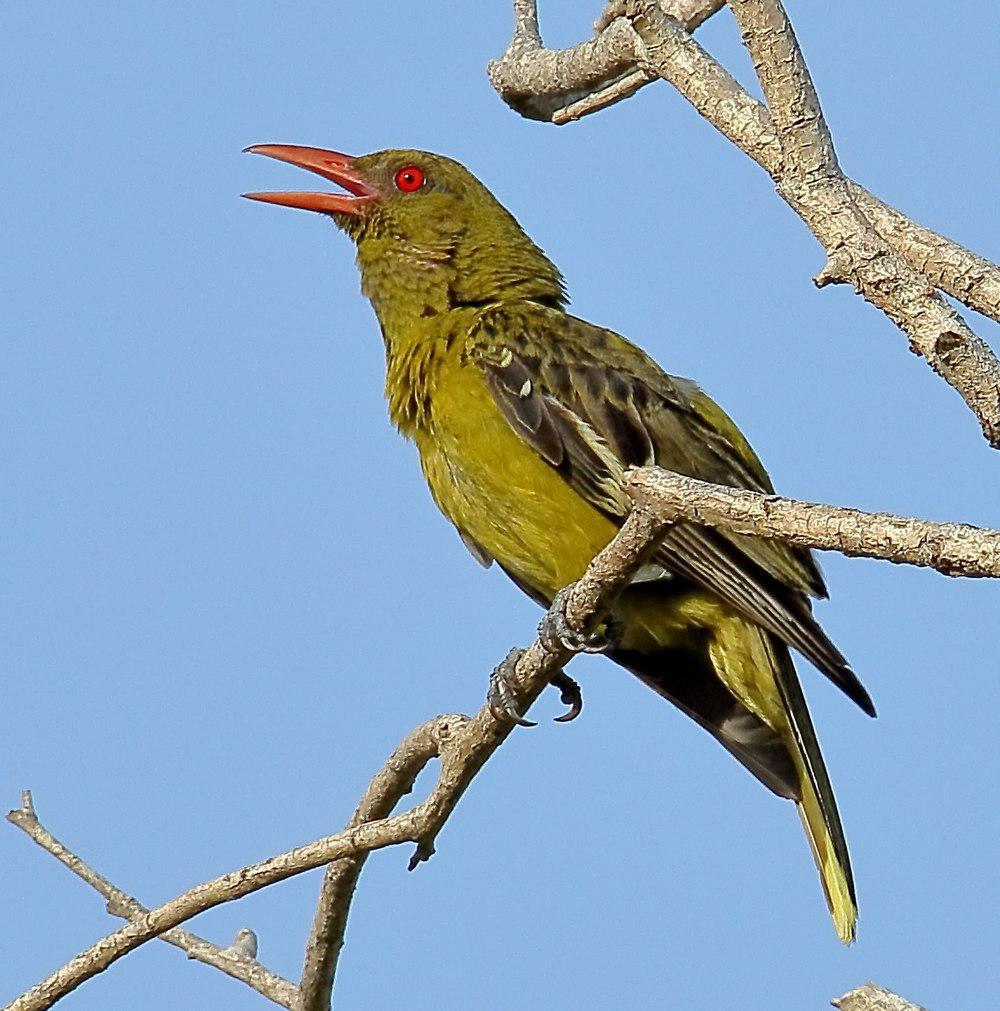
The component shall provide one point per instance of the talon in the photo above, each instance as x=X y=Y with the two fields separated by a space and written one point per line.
x=500 y=698
x=570 y=695
x=556 y=635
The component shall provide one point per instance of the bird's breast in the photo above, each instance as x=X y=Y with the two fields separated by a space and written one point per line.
x=498 y=491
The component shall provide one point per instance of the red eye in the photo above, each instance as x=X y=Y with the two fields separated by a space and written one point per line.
x=409 y=179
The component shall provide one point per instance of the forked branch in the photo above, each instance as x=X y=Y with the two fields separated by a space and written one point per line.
x=462 y=744
x=465 y=744
x=894 y=263
x=238 y=960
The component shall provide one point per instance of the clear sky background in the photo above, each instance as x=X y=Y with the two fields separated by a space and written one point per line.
x=226 y=594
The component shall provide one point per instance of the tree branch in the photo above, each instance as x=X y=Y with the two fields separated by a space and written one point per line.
x=893 y=262
x=872 y=997
x=561 y=85
x=955 y=549
x=811 y=182
x=239 y=960
x=607 y=574
x=972 y=279
x=463 y=745
x=967 y=276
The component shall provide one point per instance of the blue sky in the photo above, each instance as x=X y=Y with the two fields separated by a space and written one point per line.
x=226 y=594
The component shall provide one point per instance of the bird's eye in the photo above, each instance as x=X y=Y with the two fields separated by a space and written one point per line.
x=409 y=179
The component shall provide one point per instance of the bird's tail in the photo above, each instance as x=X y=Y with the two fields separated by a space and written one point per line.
x=817 y=805
x=745 y=692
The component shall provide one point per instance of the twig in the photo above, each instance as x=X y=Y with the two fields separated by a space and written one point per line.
x=872 y=997
x=561 y=85
x=689 y=14
x=462 y=744
x=239 y=960
x=972 y=279
x=606 y=575
x=955 y=549
x=893 y=262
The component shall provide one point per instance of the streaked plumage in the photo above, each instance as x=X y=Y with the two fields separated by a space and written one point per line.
x=525 y=419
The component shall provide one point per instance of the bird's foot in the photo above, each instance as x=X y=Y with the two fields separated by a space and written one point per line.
x=504 y=706
x=555 y=634
x=500 y=697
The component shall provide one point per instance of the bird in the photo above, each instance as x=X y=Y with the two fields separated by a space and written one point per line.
x=526 y=420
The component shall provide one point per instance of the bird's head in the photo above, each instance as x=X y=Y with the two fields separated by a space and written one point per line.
x=429 y=234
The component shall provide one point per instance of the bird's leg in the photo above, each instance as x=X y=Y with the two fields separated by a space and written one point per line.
x=555 y=634
x=503 y=705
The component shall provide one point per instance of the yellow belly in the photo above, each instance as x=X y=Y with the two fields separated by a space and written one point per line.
x=497 y=490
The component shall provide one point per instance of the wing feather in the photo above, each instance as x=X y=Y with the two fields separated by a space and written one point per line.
x=591 y=404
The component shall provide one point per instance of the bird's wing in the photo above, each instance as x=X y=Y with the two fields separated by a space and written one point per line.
x=591 y=404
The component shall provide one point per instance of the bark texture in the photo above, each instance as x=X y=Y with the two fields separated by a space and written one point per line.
x=955 y=549
x=872 y=997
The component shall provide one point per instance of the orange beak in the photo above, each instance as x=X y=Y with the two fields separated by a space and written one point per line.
x=332 y=165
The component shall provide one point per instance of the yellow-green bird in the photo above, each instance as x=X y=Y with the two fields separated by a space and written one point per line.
x=526 y=418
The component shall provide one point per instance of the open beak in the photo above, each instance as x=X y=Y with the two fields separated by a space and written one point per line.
x=332 y=165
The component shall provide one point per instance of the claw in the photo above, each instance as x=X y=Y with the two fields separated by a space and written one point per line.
x=503 y=705
x=570 y=695
x=556 y=635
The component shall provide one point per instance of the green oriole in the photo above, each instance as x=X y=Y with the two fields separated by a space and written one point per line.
x=525 y=419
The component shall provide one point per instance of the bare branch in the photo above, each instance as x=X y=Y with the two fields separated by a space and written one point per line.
x=594 y=592
x=673 y=55
x=872 y=997
x=539 y=82
x=561 y=85
x=806 y=145
x=238 y=960
x=893 y=262
x=462 y=744
x=955 y=549
x=233 y=886
x=807 y=176
x=972 y=279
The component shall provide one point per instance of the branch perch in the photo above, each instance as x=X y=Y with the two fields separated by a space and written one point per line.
x=464 y=745
x=954 y=549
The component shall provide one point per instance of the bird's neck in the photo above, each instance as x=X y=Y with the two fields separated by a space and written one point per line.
x=408 y=283
x=426 y=298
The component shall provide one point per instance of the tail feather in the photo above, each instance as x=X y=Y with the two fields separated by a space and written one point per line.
x=838 y=886
x=817 y=805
